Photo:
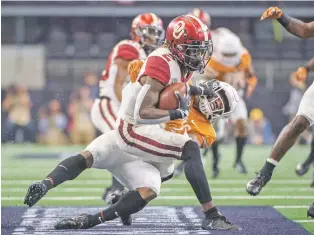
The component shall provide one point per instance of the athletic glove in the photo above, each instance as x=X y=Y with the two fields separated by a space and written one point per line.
x=184 y=107
x=272 y=13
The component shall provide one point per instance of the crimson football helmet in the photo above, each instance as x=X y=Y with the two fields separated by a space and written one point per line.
x=190 y=42
x=202 y=15
x=148 y=30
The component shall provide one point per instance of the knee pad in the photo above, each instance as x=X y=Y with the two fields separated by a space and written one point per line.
x=190 y=151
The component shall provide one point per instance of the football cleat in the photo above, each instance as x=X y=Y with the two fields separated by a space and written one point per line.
x=215 y=173
x=254 y=186
x=310 y=211
x=79 y=222
x=107 y=195
x=302 y=169
x=34 y=193
x=127 y=221
x=218 y=223
x=240 y=167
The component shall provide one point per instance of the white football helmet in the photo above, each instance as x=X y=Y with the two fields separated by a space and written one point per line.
x=222 y=104
x=229 y=49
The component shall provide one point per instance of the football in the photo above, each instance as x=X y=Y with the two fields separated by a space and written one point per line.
x=168 y=99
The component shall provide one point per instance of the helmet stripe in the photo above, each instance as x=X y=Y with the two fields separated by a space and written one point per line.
x=203 y=26
x=155 y=19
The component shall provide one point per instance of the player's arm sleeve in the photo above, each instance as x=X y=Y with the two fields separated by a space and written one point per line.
x=127 y=52
x=157 y=68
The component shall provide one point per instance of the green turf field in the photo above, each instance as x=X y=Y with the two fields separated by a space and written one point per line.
x=288 y=193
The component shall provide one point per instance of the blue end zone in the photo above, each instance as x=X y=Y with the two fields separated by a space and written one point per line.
x=259 y=220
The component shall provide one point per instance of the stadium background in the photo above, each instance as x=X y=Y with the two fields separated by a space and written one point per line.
x=49 y=46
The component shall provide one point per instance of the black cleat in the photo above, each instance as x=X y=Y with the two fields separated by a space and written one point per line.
x=35 y=192
x=127 y=221
x=79 y=222
x=215 y=173
x=302 y=169
x=254 y=186
x=218 y=223
x=310 y=211
x=240 y=167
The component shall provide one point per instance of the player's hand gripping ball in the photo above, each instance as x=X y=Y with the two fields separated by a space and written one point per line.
x=168 y=99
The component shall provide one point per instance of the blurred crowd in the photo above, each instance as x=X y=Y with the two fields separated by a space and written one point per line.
x=53 y=123
x=57 y=123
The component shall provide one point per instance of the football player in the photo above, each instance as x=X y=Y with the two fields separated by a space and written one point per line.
x=146 y=34
x=231 y=62
x=305 y=115
x=139 y=134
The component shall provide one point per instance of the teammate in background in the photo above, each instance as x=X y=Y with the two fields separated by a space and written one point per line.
x=304 y=117
x=292 y=25
x=146 y=34
x=187 y=49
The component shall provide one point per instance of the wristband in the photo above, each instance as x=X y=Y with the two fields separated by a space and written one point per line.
x=284 y=20
x=175 y=114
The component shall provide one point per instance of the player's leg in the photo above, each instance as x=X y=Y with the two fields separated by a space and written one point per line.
x=286 y=139
x=103 y=116
x=310 y=211
x=303 y=168
x=239 y=118
x=219 y=127
x=152 y=143
x=143 y=187
x=73 y=166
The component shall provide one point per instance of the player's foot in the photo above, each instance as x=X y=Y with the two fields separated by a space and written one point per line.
x=215 y=173
x=218 y=223
x=34 y=193
x=79 y=222
x=310 y=211
x=255 y=185
x=178 y=170
x=109 y=192
x=240 y=167
x=127 y=221
x=302 y=168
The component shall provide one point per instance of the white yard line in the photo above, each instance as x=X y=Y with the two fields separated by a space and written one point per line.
x=304 y=221
x=70 y=198
x=171 y=182
x=290 y=207
x=165 y=189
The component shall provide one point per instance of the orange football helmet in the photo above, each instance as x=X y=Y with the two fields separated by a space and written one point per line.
x=148 y=30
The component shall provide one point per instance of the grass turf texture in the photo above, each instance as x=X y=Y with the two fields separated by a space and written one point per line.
x=285 y=189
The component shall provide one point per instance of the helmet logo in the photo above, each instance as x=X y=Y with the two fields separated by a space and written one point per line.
x=178 y=29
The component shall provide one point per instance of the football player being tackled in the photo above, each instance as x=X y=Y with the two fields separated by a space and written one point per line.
x=140 y=153
x=146 y=34
x=305 y=116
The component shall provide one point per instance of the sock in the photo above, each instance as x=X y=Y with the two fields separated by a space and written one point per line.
x=116 y=183
x=213 y=212
x=194 y=171
x=215 y=155
x=68 y=169
x=240 y=141
x=129 y=203
x=269 y=167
